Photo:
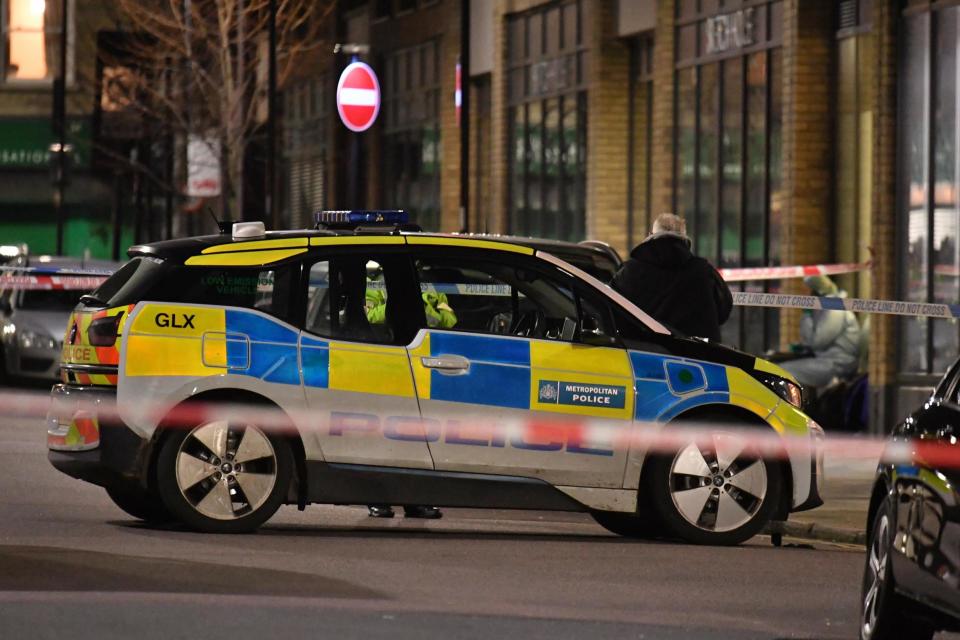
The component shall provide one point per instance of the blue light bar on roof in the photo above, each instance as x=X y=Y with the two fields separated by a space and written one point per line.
x=362 y=216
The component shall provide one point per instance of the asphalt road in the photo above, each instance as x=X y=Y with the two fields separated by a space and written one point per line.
x=73 y=565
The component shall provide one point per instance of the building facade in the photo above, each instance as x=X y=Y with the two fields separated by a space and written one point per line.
x=97 y=202
x=784 y=131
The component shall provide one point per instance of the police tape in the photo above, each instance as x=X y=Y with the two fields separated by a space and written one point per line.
x=857 y=305
x=748 y=274
x=49 y=270
x=51 y=283
x=564 y=434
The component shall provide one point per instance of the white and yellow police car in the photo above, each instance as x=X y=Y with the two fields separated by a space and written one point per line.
x=392 y=357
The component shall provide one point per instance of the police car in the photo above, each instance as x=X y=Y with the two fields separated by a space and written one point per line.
x=410 y=368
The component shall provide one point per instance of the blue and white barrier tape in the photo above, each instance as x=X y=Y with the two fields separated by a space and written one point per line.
x=857 y=305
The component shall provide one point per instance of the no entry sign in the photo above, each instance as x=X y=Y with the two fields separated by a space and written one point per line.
x=358 y=96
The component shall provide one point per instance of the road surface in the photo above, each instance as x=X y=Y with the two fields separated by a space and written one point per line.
x=73 y=565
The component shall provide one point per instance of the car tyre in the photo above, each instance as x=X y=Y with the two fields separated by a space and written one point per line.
x=715 y=490
x=628 y=525
x=139 y=503
x=885 y=614
x=223 y=477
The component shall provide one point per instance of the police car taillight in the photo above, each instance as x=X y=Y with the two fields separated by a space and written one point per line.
x=102 y=332
x=362 y=216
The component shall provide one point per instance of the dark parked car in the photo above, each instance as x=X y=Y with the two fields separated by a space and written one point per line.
x=911 y=582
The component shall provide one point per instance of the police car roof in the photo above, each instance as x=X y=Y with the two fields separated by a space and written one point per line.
x=180 y=249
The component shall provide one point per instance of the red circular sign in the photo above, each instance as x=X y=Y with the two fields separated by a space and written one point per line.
x=358 y=96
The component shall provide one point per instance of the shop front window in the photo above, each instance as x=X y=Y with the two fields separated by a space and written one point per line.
x=927 y=185
x=411 y=141
x=548 y=121
x=727 y=163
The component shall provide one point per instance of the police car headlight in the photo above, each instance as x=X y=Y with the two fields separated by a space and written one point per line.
x=789 y=391
x=28 y=339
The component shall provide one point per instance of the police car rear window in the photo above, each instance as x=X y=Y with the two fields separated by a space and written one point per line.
x=129 y=284
x=265 y=289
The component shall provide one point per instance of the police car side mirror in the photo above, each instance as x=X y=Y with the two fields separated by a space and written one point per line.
x=591 y=334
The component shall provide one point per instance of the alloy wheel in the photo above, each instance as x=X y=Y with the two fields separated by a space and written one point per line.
x=875 y=579
x=226 y=471
x=718 y=485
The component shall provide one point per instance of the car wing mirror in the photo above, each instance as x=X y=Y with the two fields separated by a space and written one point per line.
x=591 y=333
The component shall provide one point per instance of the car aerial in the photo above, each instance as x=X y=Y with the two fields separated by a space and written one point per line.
x=392 y=357
x=32 y=320
x=911 y=581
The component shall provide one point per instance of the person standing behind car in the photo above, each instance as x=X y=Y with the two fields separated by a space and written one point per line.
x=664 y=278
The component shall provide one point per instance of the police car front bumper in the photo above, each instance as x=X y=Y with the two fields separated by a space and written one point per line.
x=814 y=499
x=86 y=441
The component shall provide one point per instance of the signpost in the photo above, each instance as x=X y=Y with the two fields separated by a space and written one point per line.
x=358 y=97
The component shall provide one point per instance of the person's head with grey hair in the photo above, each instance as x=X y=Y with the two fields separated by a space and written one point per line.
x=669 y=224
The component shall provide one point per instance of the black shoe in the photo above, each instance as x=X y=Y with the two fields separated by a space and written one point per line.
x=378 y=511
x=429 y=513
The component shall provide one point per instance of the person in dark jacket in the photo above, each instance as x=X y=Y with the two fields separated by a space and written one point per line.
x=665 y=279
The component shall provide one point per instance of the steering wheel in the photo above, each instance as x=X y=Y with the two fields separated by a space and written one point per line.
x=529 y=323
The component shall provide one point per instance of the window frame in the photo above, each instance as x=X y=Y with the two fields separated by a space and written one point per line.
x=39 y=83
x=555 y=274
x=404 y=324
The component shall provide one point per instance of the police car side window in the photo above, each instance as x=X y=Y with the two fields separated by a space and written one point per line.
x=496 y=298
x=347 y=300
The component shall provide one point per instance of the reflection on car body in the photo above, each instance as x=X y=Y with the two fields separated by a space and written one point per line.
x=912 y=574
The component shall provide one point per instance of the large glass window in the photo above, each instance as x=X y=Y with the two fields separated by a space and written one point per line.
x=31 y=39
x=928 y=183
x=411 y=141
x=548 y=121
x=727 y=164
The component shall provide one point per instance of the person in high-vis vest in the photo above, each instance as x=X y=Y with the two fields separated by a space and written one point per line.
x=439 y=315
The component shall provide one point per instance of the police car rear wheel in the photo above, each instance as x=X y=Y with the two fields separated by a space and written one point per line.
x=223 y=477
x=715 y=490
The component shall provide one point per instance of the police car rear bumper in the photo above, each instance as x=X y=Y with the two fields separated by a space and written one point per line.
x=86 y=441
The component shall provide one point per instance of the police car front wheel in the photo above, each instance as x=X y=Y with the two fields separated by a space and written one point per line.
x=715 y=490
x=223 y=477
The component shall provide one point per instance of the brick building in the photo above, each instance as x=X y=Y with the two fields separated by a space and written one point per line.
x=29 y=62
x=785 y=131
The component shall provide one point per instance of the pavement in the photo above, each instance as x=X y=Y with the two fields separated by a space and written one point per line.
x=847 y=485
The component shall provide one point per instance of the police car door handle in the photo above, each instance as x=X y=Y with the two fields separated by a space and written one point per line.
x=450 y=365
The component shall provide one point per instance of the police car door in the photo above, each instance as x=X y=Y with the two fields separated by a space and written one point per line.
x=502 y=360
x=356 y=372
